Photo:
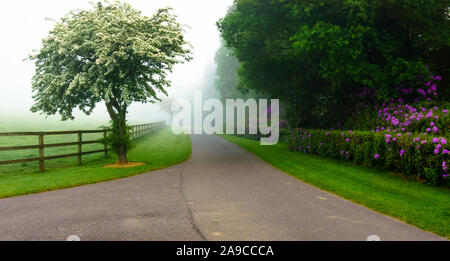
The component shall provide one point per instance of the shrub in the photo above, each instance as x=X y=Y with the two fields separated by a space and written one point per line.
x=114 y=139
x=422 y=154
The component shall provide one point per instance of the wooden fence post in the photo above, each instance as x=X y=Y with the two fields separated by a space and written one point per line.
x=41 y=152
x=80 y=140
x=105 y=145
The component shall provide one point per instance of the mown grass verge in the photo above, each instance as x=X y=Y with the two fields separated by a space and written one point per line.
x=159 y=150
x=423 y=206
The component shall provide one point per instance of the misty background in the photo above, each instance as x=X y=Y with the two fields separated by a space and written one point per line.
x=23 y=25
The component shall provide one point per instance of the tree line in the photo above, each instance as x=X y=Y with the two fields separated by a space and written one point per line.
x=316 y=56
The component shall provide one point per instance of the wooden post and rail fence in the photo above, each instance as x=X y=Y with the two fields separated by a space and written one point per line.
x=136 y=131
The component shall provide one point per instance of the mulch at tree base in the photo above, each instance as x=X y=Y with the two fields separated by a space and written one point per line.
x=118 y=165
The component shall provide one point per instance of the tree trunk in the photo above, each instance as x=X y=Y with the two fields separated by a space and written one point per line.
x=118 y=117
x=122 y=153
x=122 y=148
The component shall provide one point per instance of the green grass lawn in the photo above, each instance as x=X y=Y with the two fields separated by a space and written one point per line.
x=423 y=206
x=159 y=150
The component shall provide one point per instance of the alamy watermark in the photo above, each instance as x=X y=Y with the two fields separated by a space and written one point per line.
x=235 y=114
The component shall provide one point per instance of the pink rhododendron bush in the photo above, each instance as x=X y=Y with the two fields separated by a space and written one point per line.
x=408 y=137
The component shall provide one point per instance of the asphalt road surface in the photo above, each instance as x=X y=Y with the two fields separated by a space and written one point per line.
x=221 y=193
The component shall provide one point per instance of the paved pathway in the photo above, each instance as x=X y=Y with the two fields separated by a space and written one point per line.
x=221 y=193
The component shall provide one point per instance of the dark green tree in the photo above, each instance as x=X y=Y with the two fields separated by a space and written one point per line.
x=312 y=53
x=227 y=80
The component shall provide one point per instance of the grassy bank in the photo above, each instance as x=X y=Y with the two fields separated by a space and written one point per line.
x=157 y=151
x=423 y=206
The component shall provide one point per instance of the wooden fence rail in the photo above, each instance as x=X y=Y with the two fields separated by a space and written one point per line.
x=136 y=131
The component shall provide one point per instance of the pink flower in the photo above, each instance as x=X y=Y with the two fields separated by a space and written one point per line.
x=376 y=156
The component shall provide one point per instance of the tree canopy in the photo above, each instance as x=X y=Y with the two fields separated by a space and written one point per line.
x=227 y=77
x=313 y=53
x=226 y=73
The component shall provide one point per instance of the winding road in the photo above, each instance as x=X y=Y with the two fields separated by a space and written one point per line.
x=221 y=193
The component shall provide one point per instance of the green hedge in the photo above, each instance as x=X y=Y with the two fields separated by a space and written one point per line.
x=406 y=153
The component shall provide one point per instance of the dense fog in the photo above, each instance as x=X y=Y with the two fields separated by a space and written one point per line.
x=24 y=24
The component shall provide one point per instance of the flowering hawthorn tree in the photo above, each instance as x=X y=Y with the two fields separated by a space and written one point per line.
x=111 y=53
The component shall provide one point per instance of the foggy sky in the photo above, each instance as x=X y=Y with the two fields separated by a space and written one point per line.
x=23 y=25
